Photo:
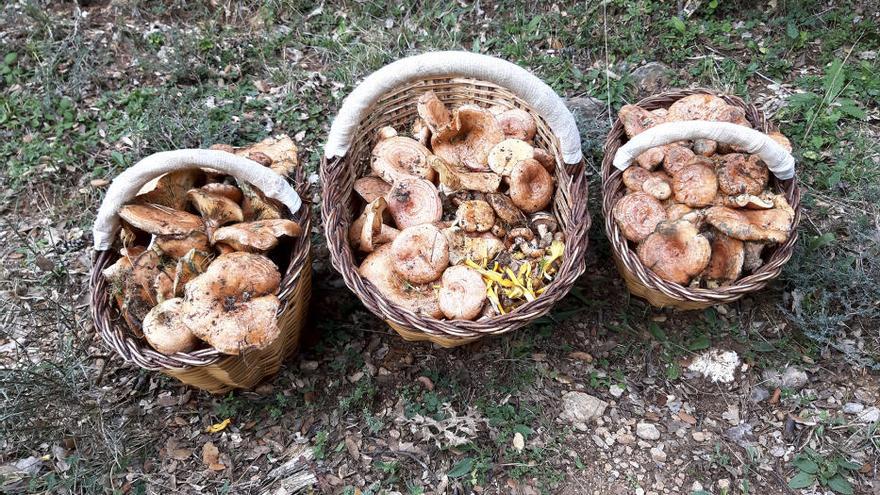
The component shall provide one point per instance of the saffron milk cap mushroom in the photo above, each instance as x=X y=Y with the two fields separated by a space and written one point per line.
x=476 y=247
x=378 y=268
x=475 y=216
x=258 y=236
x=638 y=214
x=726 y=260
x=234 y=325
x=636 y=119
x=234 y=275
x=433 y=112
x=371 y=188
x=420 y=253
x=188 y=267
x=216 y=210
x=165 y=330
x=160 y=220
x=650 y=159
x=455 y=177
x=178 y=245
x=169 y=189
x=229 y=191
x=468 y=139
x=462 y=293
x=517 y=124
x=369 y=230
x=545 y=158
x=398 y=157
x=256 y=206
x=676 y=157
x=773 y=225
x=675 y=252
x=505 y=210
x=414 y=201
x=696 y=107
x=739 y=174
x=695 y=184
x=531 y=186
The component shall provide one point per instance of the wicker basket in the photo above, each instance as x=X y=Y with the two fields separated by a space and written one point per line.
x=642 y=281
x=388 y=98
x=207 y=368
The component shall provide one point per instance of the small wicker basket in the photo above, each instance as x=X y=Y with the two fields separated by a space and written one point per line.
x=207 y=369
x=388 y=98
x=642 y=281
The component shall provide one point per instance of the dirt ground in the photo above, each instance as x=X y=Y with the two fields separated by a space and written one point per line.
x=602 y=396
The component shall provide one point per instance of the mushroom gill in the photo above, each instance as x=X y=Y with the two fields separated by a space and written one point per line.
x=468 y=139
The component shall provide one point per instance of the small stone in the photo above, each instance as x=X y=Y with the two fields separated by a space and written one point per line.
x=853 y=408
x=519 y=442
x=640 y=491
x=98 y=182
x=658 y=455
x=647 y=431
x=869 y=415
x=724 y=484
x=615 y=390
x=731 y=415
x=578 y=407
x=794 y=378
x=698 y=436
x=739 y=433
x=589 y=114
x=651 y=78
x=697 y=486
x=758 y=395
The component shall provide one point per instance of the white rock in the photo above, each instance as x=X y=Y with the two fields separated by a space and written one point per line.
x=615 y=390
x=716 y=365
x=869 y=415
x=647 y=431
x=518 y=441
x=578 y=407
x=853 y=408
x=698 y=436
x=658 y=455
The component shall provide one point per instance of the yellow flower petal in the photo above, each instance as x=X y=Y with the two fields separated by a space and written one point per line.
x=216 y=427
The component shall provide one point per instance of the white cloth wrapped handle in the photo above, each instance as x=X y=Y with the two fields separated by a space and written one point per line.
x=127 y=184
x=521 y=82
x=777 y=158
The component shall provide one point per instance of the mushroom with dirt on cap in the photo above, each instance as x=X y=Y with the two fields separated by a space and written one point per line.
x=414 y=201
x=378 y=268
x=517 y=123
x=531 y=186
x=637 y=215
x=726 y=260
x=259 y=236
x=468 y=139
x=675 y=252
x=397 y=157
x=420 y=253
x=165 y=330
x=695 y=184
x=462 y=293
x=475 y=216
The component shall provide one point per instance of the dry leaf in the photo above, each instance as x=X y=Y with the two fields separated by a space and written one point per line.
x=687 y=418
x=210 y=453
x=426 y=382
x=581 y=356
x=181 y=454
x=218 y=426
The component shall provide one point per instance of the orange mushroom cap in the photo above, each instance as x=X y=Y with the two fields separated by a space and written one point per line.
x=636 y=119
x=400 y=157
x=675 y=252
x=531 y=186
x=517 y=124
x=475 y=216
x=433 y=112
x=420 y=253
x=638 y=214
x=371 y=188
x=413 y=201
x=695 y=184
x=726 y=261
x=696 y=107
x=738 y=174
x=259 y=236
x=773 y=225
x=469 y=138
x=676 y=157
x=378 y=268
x=462 y=294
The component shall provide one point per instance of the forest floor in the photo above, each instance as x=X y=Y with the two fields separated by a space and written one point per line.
x=89 y=89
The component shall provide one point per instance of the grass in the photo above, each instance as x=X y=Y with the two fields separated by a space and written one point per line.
x=83 y=96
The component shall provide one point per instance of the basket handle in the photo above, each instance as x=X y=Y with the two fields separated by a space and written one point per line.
x=521 y=82
x=777 y=158
x=127 y=184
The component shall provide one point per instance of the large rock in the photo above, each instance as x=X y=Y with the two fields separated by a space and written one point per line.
x=581 y=408
x=651 y=78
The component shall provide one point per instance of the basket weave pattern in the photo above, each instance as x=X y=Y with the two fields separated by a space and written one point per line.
x=642 y=281
x=398 y=109
x=207 y=368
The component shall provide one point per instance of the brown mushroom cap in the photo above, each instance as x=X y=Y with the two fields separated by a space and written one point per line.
x=462 y=294
x=259 y=236
x=169 y=189
x=773 y=225
x=256 y=206
x=506 y=154
x=657 y=184
x=678 y=211
x=636 y=119
x=705 y=147
x=433 y=112
x=277 y=153
x=378 y=268
x=472 y=133
x=371 y=188
x=455 y=178
x=400 y=157
x=387 y=132
x=177 y=246
x=696 y=107
x=413 y=201
x=475 y=247
x=226 y=190
x=216 y=210
x=634 y=177
x=506 y=211
x=726 y=261
x=475 y=216
x=233 y=275
x=517 y=124
x=421 y=132
x=160 y=220
x=781 y=140
x=164 y=328
x=545 y=158
x=369 y=230
x=531 y=186
x=675 y=252
x=738 y=174
x=650 y=159
x=420 y=254
x=234 y=325
x=676 y=157
x=695 y=184
x=638 y=214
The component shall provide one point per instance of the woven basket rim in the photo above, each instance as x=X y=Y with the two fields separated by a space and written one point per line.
x=336 y=226
x=119 y=337
x=612 y=188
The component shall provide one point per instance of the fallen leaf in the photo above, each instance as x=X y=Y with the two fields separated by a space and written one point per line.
x=99 y=182
x=352 y=448
x=687 y=418
x=214 y=428
x=210 y=454
x=519 y=442
x=581 y=356
x=181 y=454
x=426 y=382
x=775 y=398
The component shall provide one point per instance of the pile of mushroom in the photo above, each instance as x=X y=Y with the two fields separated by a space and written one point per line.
x=194 y=266
x=456 y=222
x=700 y=213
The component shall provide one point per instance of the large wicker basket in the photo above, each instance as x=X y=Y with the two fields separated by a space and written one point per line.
x=642 y=281
x=388 y=98
x=207 y=368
